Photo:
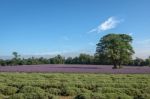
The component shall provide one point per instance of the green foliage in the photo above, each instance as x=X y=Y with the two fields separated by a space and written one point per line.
x=57 y=60
x=7 y=90
x=83 y=96
x=116 y=48
x=80 y=86
x=102 y=96
x=85 y=59
x=68 y=91
x=17 y=96
x=132 y=91
x=147 y=62
x=54 y=91
x=97 y=96
x=16 y=60
x=110 y=90
x=10 y=90
x=117 y=96
x=34 y=95
x=146 y=90
x=98 y=58
x=68 y=60
x=2 y=96
x=30 y=89
x=139 y=62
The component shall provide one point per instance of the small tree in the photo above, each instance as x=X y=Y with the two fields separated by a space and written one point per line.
x=68 y=60
x=85 y=59
x=16 y=60
x=139 y=62
x=116 y=48
x=15 y=54
x=147 y=61
x=58 y=60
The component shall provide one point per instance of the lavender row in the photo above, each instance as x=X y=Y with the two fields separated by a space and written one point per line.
x=76 y=69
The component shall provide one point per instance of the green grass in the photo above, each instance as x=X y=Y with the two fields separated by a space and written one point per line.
x=74 y=86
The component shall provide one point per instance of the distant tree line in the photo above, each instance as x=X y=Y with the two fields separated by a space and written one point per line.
x=112 y=49
x=81 y=59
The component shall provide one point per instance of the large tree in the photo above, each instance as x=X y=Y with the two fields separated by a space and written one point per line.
x=116 y=48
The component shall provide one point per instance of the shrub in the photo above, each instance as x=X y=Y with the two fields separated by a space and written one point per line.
x=50 y=96
x=74 y=91
x=68 y=91
x=32 y=96
x=146 y=90
x=16 y=84
x=54 y=91
x=110 y=90
x=132 y=91
x=97 y=96
x=83 y=90
x=117 y=96
x=34 y=93
x=90 y=86
x=35 y=96
x=30 y=89
x=124 y=96
x=138 y=85
x=10 y=90
x=17 y=96
x=98 y=89
x=146 y=96
x=122 y=85
x=47 y=84
x=83 y=96
x=2 y=96
x=142 y=96
x=80 y=85
x=2 y=88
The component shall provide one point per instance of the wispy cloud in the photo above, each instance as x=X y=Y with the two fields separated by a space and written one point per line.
x=110 y=23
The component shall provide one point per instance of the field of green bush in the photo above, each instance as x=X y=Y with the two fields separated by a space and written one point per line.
x=74 y=86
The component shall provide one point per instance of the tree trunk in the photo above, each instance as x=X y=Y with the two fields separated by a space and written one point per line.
x=120 y=66
x=115 y=66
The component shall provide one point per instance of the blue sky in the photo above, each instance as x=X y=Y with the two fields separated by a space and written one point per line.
x=46 y=27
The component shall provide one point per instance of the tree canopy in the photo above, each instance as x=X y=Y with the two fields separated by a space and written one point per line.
x=116 y=48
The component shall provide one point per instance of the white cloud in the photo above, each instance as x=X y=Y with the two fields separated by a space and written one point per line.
x=110 y=23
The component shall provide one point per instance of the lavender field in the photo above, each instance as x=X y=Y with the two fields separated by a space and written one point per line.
x=77 y=69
